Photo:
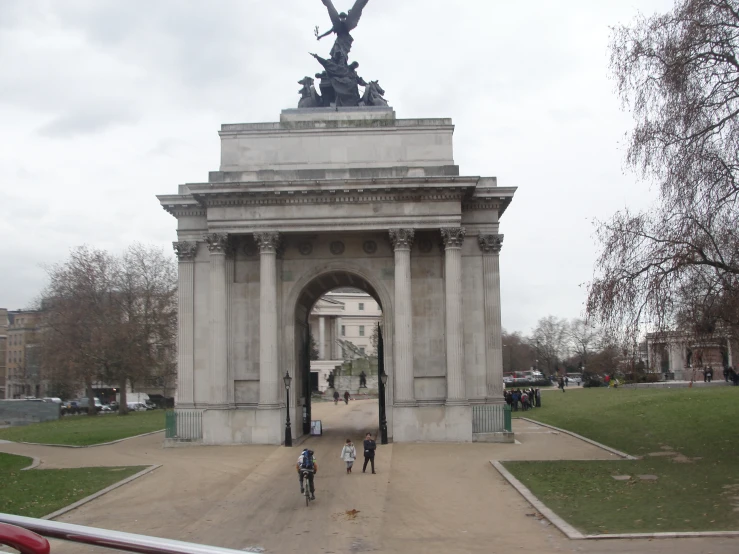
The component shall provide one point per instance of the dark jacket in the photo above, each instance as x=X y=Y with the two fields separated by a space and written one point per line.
x=369 y=448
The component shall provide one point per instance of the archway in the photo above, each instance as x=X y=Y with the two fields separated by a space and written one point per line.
x=306 y=294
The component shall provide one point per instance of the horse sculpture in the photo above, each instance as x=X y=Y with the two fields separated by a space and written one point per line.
x=309 y=98
x=373 y=95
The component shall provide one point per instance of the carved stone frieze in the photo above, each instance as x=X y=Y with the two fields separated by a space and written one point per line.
x=453 y=237
x=217 y=242
x=491 y=244
x=185 y=250
x=305 y=248
x=369 y=247
x=268 y=242
x=337 y=248
x=402 y=238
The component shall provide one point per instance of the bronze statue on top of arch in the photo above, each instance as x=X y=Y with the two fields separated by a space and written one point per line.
x=339 y=80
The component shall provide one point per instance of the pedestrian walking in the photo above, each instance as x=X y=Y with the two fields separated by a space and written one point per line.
x=349 y=454
x=346 y=397
x=336 y=397
x=562 y=383
x=369 y=452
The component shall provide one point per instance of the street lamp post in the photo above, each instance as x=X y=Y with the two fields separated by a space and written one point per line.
x=383 y=417
x=288 y=433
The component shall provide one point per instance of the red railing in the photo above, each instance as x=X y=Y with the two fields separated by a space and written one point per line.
x=23 y=540
x=27 y=534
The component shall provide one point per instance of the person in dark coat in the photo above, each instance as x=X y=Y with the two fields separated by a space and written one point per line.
x=369 y=452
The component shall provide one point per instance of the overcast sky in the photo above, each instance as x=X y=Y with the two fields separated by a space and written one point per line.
x=106 y=103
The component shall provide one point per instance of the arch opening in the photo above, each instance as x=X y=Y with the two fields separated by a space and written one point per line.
x=338 y=318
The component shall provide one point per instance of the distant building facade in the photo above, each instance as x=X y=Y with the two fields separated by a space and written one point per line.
x=342 y=324
x=685 y=355
x=3 y=349
x=23 y=354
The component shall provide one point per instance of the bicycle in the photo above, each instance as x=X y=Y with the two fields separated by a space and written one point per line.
x=306 y=485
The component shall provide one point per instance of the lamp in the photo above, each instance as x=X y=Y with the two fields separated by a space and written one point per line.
x=383 y=416
x=288 y=434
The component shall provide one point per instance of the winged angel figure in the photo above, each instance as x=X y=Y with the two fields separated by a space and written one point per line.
x=342 y=25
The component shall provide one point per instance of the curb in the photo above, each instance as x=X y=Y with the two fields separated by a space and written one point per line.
x=89 y=445
x=590 y=441
x=34 y=464
x=568 y=530
x=573 y=534
x=98 y=494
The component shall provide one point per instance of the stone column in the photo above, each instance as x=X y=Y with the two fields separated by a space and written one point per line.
x=402 y=239
x=321 y=337
x=230 y=348
x=455 y=378
x=337 y=336
x=491 y=246
x=186 y=252
x=218 y=370
x=269 y=389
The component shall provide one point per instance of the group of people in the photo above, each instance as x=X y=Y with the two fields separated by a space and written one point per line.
x=730 y=375
x=346 y=397
x=526 y=399
x=307 y=465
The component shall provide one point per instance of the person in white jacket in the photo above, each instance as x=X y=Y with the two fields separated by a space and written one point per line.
x=349 y=454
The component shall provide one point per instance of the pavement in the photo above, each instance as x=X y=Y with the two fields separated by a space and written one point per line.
x=424 y=498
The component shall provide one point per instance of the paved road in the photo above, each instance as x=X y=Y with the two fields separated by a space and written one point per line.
x=425 y=498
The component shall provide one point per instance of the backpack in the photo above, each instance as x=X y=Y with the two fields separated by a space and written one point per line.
x=307 y=460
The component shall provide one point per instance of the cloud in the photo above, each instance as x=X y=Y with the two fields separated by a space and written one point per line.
x=72 y=124
x=107 y=103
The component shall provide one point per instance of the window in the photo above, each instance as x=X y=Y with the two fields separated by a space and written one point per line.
x=361 y=349
x=343 y=330
x=361 y=306
x=361 y=330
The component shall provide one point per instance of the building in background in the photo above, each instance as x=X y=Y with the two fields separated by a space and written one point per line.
x=342 y=324
x=683 y=356
x=22 y=354
x=3 y=348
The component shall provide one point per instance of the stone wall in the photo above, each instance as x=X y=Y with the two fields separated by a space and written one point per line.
x=23 y=412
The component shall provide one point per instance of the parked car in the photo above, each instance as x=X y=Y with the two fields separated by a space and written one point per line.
x=575 y=378
x=137 y=406
x=70 y=407
x=84 y=403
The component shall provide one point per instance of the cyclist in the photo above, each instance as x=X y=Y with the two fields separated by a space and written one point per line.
x=307 y=467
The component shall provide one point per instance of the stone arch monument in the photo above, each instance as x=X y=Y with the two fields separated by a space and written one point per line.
x=329 y=197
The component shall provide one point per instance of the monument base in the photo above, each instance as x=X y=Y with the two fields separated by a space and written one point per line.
x=432 y=423
x=244 y=426
x=505 y=437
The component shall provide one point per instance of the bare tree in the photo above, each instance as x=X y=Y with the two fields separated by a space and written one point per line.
x=112 y=319
x=583 y=337
x=146 y=300
x=678 y=74
x=518 y=354
x=550 y=341
x=76 y=337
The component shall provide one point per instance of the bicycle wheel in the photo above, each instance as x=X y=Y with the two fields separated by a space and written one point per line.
x=307 y=495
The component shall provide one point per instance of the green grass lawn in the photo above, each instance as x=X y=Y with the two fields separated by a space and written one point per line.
x=697 y=489
x=37 y=493
x=82 y=430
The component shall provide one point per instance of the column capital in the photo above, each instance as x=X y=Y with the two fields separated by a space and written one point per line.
x=217 y=242
x=185 y=250
x=402 y=238
x=453 y=237
x=491 y=244
x=268 y=242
